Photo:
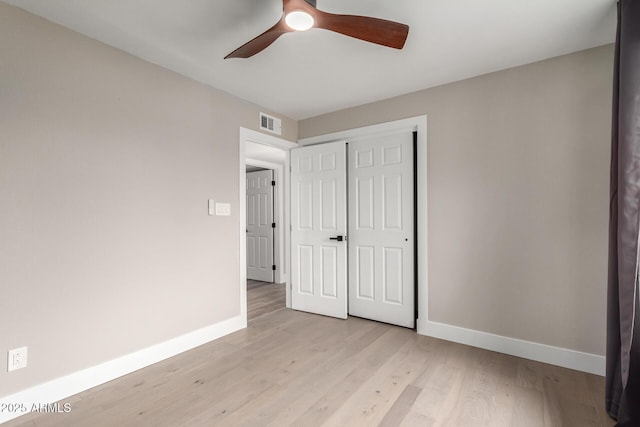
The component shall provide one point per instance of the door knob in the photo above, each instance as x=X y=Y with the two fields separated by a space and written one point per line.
x=338 y=238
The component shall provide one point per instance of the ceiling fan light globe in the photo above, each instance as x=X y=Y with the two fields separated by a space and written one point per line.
x=299 y=20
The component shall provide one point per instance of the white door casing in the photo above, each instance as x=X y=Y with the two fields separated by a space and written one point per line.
x=318 y=215
x=260 y=225
x=381 y=229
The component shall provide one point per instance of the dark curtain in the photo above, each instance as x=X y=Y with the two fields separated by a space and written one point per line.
x=623 y=321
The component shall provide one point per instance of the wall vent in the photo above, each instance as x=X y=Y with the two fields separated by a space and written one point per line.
x=270 y=124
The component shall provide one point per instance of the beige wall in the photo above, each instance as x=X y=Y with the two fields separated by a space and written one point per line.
x=106 y=165
x=517 y=196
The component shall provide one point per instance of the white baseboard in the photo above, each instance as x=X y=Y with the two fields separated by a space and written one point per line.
x=77 y=382
x=585 y=362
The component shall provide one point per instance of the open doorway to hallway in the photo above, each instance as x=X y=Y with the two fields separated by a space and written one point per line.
x=263 y=294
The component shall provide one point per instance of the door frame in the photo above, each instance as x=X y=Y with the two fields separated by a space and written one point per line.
x=413 y=124
x=248 y=135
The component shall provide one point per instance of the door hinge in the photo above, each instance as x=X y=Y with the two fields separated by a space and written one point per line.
x=273 y=225
x=273 y=267
x=273 y=183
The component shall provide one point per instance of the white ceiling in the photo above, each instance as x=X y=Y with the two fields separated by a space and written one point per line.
x=306 y=74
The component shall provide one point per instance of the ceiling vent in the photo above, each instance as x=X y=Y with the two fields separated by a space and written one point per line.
x=270 y=124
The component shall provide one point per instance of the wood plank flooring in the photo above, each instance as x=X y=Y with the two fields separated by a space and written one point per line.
x=264 y=298
x=293 y=368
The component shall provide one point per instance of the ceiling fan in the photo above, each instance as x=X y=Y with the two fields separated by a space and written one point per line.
x=301 y=15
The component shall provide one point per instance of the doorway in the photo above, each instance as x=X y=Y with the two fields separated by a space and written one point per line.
x=265 y=152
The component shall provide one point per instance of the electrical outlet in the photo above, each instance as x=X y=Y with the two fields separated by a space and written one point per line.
x=17 y=359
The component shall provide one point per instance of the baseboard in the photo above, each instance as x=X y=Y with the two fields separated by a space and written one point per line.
x=579 y=361
x=77 y=382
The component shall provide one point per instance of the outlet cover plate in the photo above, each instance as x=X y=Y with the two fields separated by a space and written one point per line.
x=223 y=209
x=17 y=359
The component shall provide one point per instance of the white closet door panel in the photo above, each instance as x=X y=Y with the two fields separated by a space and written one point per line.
x=381 y=229
x=318 y=214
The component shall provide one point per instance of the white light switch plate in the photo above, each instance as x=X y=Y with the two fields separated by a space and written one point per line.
x=223 y=209
x=212 y=207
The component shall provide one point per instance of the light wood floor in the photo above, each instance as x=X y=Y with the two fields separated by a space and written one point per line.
x=293 y=368
x=264 y=298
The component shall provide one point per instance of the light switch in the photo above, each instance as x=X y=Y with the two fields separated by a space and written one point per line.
x=212 y=207
x=223 y=209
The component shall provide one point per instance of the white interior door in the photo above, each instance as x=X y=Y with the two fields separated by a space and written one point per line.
x=318 y=221
x=260 y=225
x=381 y=229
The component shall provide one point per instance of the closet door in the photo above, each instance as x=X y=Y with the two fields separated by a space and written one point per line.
x=381 y=229
x=318 y=229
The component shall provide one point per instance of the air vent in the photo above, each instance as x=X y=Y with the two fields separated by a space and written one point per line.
x=270 y=124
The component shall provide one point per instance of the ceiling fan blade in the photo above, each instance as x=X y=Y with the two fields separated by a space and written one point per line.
x=261 y=42
x=374 y=30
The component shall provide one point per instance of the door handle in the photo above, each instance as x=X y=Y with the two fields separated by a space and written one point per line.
x=338 y=238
